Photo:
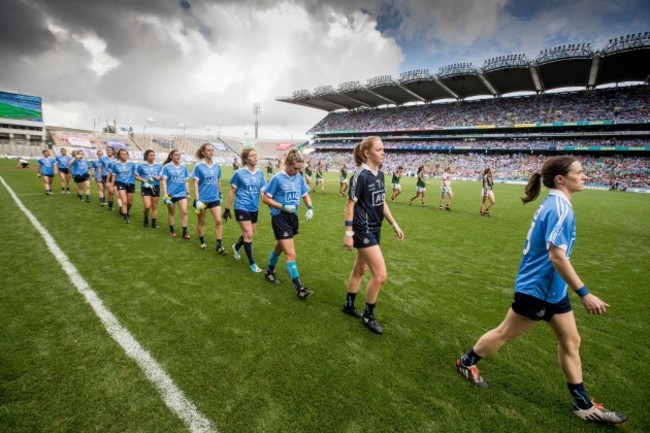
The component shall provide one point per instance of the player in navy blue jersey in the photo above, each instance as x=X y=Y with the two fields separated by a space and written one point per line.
x=541 y=287
x=124 y=172
x=47 y=168
x=365 y=210
x=282 y=195
x=207 y=194
x=176 y=190
x=245 y=187
x=63 y=162
x=80 y=172
x=148 y=173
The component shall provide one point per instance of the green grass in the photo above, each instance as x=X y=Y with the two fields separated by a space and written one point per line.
x=254 y=358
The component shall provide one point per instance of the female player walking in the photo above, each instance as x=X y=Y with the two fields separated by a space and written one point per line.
x=175 y=189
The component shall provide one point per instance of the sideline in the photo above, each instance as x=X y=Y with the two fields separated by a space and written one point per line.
x=170 y=393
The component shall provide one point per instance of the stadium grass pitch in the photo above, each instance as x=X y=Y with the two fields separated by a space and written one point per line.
x=254 y=358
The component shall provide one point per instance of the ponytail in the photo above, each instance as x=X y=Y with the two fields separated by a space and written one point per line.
x=533 y=187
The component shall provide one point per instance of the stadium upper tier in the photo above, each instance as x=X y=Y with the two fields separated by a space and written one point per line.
x=624 y=59
x=615 y=105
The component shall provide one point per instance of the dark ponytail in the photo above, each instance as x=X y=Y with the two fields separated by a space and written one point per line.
x=533 y=187
x=555 y=166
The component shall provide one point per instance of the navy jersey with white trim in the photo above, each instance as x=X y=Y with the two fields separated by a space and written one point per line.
x=368 y=192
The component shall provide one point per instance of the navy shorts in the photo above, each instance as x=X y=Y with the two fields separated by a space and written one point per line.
x=128 y=187
x=64 y=170
x=150 y=192
x=104 y=178
x=536 y=309
x=177 y=199
x=242 y=215
x=285 y=225
x=208 y=204
x=366 y=238
x=79 y=178
x=47 y=175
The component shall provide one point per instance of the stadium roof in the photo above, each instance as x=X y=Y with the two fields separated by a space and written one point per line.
x=624 y=59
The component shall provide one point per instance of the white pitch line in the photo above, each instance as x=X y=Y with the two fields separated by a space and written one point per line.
x=170 y=393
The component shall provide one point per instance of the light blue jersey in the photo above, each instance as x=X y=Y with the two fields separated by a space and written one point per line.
x=79 y=167
x=46 y=165
x=176 y=177
x=149 y=171
x=208 y=177
x=124 y=172
x=553 y=223
x=286 y=190
x=248 y=186
x=95 y=166
x=63 y=161
x=106 y=162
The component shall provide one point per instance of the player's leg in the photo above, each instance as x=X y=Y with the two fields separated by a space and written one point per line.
x=146 y=211
x=374 y=259
x=123 y=208
x=154 y=212
x=354 y=283
x=171 y=213
x=182 y=205
x=289 y=249
x=200 y=228
x=248 y=231
x=218 y=229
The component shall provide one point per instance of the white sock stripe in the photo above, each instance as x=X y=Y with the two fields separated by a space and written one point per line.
x=171 y=394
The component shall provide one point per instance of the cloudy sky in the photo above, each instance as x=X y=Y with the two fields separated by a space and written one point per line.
x=205 y=63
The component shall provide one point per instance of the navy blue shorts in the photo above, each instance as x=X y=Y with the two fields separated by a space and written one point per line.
x=104 y=178
x=536 y=309
x=64 y=170
x=128 y=187
x=154 y=191
x=242 y=215
x=285 y=225
x=79 y=178
x=208 y=204
x=366 y=238
x=177 y=199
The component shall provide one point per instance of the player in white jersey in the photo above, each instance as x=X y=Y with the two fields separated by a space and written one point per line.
x=541 y=287
x=445 y=189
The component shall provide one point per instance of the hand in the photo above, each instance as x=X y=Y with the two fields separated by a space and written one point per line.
x=593 y=304
x=310 y=214
x=226 y=214
x=288 y=208
x=398 y=232
x=147 y=185
x=348 y=243
x=167 y=200
x=199 y=205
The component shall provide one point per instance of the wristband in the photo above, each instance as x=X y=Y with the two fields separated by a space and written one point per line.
x=348 y=223
x=349 y=233
x=310 y=207
x=583 y=291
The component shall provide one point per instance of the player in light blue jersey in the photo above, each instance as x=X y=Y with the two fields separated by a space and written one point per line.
x=176 y=190
x=149 y=174
x=96 y=166
x=124 y=172
x=107 y=180
x=63 y=162
x=245 y=187
x=207 y=194
x=80 y=171
x=282 y=195
x=47 y=168
x=541 y=287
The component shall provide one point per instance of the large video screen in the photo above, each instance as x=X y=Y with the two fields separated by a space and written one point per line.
x=20 y=107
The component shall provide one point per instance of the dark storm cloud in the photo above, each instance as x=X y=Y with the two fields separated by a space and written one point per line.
x=22 y=30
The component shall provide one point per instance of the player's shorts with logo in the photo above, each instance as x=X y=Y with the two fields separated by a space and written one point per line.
x=128 y=187
x=79 y=178
x=154 y=191
x=285 y=225
x=536 y=309
x=366 y=238
x=242 y=215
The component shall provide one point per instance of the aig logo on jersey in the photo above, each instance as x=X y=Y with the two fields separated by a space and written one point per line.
x=293 y=196
x=378 y=198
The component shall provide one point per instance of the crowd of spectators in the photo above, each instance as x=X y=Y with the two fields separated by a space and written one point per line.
x=626 y=104
x=626 y=171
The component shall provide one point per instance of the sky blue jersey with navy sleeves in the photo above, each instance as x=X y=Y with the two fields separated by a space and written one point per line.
x=554 y=223
x=63 y=161
x=46 y=165
x=176 y=177
x=286 y=190
x=248 y=186
x=208 y=177
x=79 y=167
x=124 y=172
x=149 y=171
